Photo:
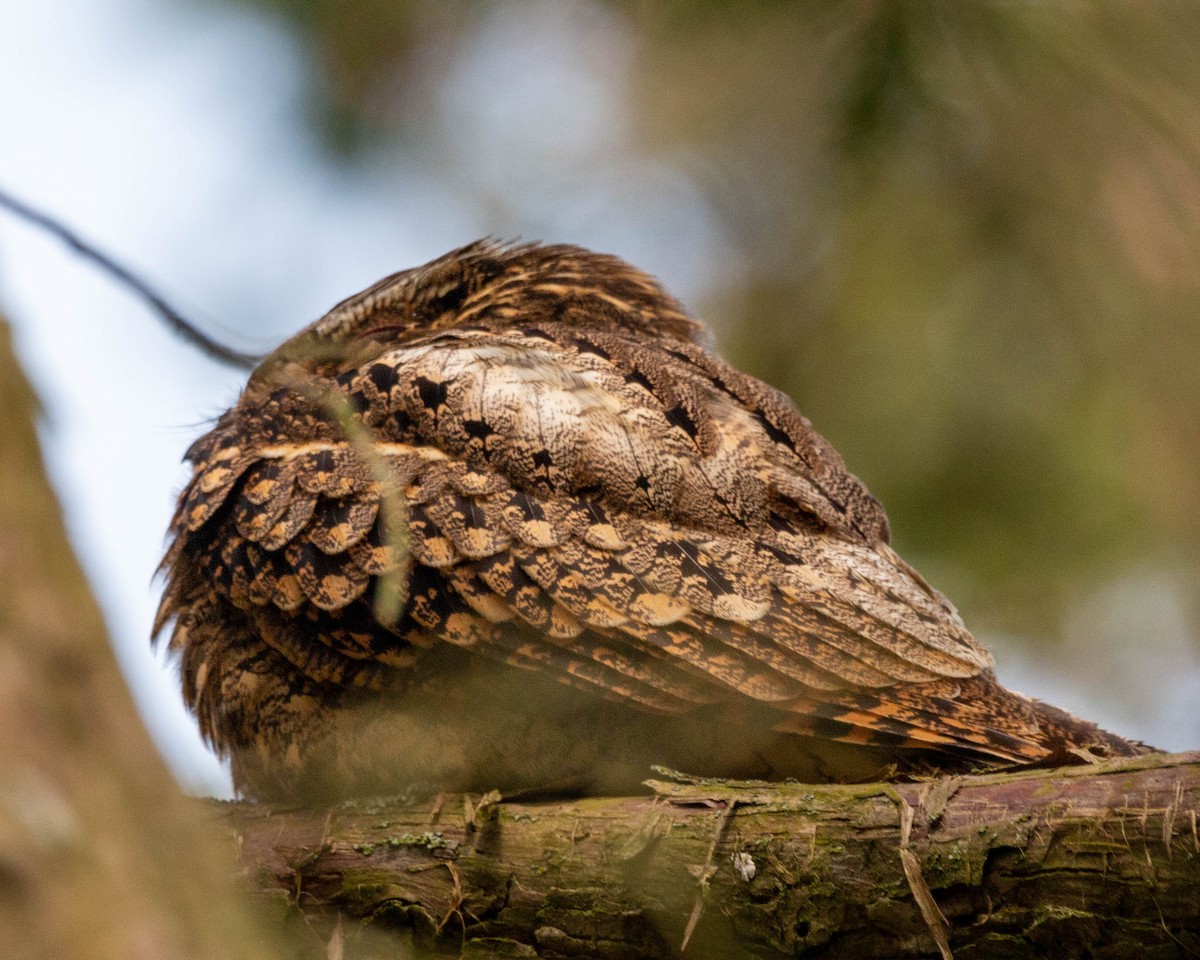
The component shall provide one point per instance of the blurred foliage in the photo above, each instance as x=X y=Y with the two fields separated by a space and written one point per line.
x=963 y=236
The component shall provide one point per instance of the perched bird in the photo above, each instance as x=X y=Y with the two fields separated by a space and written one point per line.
x=505 y=520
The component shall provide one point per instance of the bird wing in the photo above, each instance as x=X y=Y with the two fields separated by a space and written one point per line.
x=646 y=523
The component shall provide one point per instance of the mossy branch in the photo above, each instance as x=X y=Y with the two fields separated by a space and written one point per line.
x=1027 y=864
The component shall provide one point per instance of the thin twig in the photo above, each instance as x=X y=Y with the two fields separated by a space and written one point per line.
x=706 y=873
x=169 y=315
x=935 y=920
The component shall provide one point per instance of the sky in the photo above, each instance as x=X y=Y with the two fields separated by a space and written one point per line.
x=174 y=137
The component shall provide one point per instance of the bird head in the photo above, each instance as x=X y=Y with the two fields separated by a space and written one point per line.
x=486 y=283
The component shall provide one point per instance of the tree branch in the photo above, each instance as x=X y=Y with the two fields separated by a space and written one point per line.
x=1032 y=863
x=100 y=856
x=176 y=322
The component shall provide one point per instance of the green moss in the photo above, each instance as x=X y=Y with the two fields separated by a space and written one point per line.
x=817 y=890
x=894 y=890
x=950 y=863
x=362 y=889
x=427 y=841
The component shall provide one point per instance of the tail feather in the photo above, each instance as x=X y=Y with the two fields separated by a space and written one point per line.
x=975 y=721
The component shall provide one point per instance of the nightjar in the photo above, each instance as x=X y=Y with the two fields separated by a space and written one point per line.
x=506 y=520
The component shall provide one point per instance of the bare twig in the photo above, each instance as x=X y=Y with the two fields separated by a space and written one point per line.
x=177 y=323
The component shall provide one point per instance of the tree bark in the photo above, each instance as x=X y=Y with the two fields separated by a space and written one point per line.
x=100 y=855
x=1080 y=861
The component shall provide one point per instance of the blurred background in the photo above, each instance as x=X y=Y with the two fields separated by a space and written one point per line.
x=964 y=237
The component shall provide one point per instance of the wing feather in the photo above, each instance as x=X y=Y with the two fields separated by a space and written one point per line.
x=649 y=525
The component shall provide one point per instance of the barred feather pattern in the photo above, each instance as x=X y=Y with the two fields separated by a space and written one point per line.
x=591 y=499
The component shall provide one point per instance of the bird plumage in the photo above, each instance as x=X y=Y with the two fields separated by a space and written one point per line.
x=536 y=450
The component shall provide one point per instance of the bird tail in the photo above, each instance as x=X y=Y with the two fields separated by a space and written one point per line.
x=973 y=722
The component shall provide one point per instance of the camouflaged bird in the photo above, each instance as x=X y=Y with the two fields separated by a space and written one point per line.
x=505 y=520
